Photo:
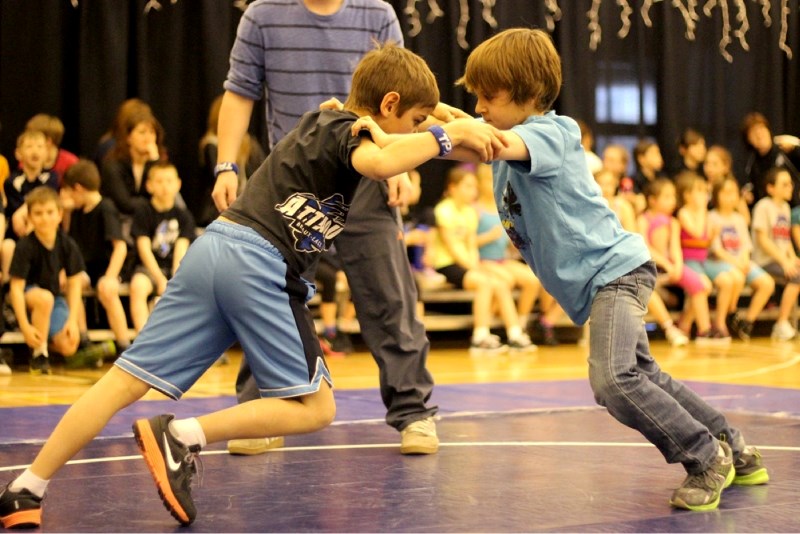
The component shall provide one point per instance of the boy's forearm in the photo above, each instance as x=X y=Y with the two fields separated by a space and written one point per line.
x=17 y=297
x=117 y=259
x=74 y=296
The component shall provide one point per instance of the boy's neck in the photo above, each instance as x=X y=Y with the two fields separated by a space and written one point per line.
x=323 y=7
x=162 y=205
x=47 y=239
x=93 y=198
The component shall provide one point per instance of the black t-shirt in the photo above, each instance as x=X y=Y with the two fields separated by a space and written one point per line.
x=299 y=198
x=163 y=228
x=40 y=266
x=95 y=232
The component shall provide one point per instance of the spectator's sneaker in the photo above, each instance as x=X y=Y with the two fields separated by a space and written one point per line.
x=548 y=335
x=750 y=470
x=675 y=336
x=783 y=331
x=40 y=365
x=171 y=463
x=91 y=356
x=714 y=336
x=20 y=509
x=251 y=447
x=5 y=369
x=327 y=348
x=701 y=492
x=488 y=345
x=521 y=343
x=341 y=342
x=419 y=437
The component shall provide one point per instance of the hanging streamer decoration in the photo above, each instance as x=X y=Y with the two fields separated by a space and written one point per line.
x=689 y=10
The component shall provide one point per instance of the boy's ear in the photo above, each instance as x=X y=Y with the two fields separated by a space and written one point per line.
x=390 y=103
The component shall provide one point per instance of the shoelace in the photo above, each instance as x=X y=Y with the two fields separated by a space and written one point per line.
x=708 y=479
x=425 y=427
x=192 y=459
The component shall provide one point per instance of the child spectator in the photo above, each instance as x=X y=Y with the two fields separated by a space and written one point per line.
x=593 y=161
x=655 y=306
x=35 y=286
x=692 y=149
x=718 y=166
x=696 y=238
x=456 y=257
x=772 y=245
x=31 y=154
x=649 y=166
x=732 y=244
x=493 y=244
x=95 y=226
x=162 y=232
x=764 y=154
x=662 y=233
x=616 y=159
x=57 y=158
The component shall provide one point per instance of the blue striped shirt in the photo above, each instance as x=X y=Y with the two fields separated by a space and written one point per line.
x=297 y=59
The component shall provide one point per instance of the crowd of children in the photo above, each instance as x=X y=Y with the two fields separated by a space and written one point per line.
x=63 y=236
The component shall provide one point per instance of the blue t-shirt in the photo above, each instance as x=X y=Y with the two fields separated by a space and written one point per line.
x=494 y=250
x=555 y=215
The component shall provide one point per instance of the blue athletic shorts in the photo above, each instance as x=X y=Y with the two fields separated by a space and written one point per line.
x=231 y=285
x=59 y=316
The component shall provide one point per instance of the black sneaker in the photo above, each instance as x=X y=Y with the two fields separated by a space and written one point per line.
x=20 y=509
x=739 y=326
x=171 y=463
x=341 y=342
x=40 y=365
x=750 y=470
x=701 y=491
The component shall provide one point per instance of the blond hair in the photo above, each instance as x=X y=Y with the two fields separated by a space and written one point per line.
x=390 y=68
x=42 y=195
x=522 y=61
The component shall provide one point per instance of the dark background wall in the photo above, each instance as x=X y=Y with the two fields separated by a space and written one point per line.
x=80 y=62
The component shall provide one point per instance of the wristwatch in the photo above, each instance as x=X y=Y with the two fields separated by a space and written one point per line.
x=225 y=166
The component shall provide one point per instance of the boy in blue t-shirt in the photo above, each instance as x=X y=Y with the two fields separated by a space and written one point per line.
x=554 y=213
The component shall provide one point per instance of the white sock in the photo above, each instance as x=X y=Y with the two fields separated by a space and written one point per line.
x=188 y=431
x=514 y=332
x=41 y=350
x=666 y=324
x=30 y=482
x=479 y=333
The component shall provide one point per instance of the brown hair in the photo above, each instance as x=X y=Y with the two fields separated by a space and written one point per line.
x=750 y=120
x=42 y=195
x=212 y=126
x=29 y=133
x=641 y=148
x=159 y=166
x=390 y=68
x=49 y=125
x=689 y=137
x=717 y=188
x=685 y=182
x=125 y=122
x=522 y=61
x=456 y=174
x=654 y=188
x=84 y=173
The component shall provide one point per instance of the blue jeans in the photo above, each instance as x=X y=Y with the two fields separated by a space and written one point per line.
x=629 y=383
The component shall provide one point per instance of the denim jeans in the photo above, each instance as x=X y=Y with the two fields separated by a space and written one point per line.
x=629 y=383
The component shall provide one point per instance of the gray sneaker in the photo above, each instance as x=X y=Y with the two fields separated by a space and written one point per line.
x=487 y=346
x=750 y=470
x=701 y=491
x=419 y=437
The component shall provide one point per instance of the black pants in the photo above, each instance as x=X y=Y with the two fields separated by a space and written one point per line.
x=382 y=287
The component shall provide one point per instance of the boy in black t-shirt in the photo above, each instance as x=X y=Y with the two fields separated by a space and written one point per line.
x=38 y=259
x=162 y=232
x=95 y=225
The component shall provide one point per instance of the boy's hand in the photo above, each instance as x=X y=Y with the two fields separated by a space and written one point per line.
x=33 y=338
x=446 y=113
x=789 y=269
x=332 y=103
x=379 y=137
x=161 y=285
x=483 y=139
x=399 y=190
x=225 y=188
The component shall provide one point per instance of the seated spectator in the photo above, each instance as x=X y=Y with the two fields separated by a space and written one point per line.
x=732 y=244
x=57 y=158
x=608 y=186
x=456 y=257
x=163 y=232
x=772 y=245
x=764 y=154
x=697 y=234
x=649 y=167
x=250 y=157
x=661 y=231
x=616 y=159
x=31 y=153
x=35 y=286
x=692 y=149
x=718 y=167
x=95 y=226
x=593 y=161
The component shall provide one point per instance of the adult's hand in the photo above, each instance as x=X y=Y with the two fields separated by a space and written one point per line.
x=225 y=187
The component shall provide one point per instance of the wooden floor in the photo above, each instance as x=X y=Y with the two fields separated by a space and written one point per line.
x=760 y=362
x=523 y=449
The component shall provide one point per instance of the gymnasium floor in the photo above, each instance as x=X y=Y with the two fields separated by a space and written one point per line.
x=524 y=448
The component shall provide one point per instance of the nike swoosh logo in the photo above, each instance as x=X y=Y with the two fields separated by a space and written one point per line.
x=171 y=463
